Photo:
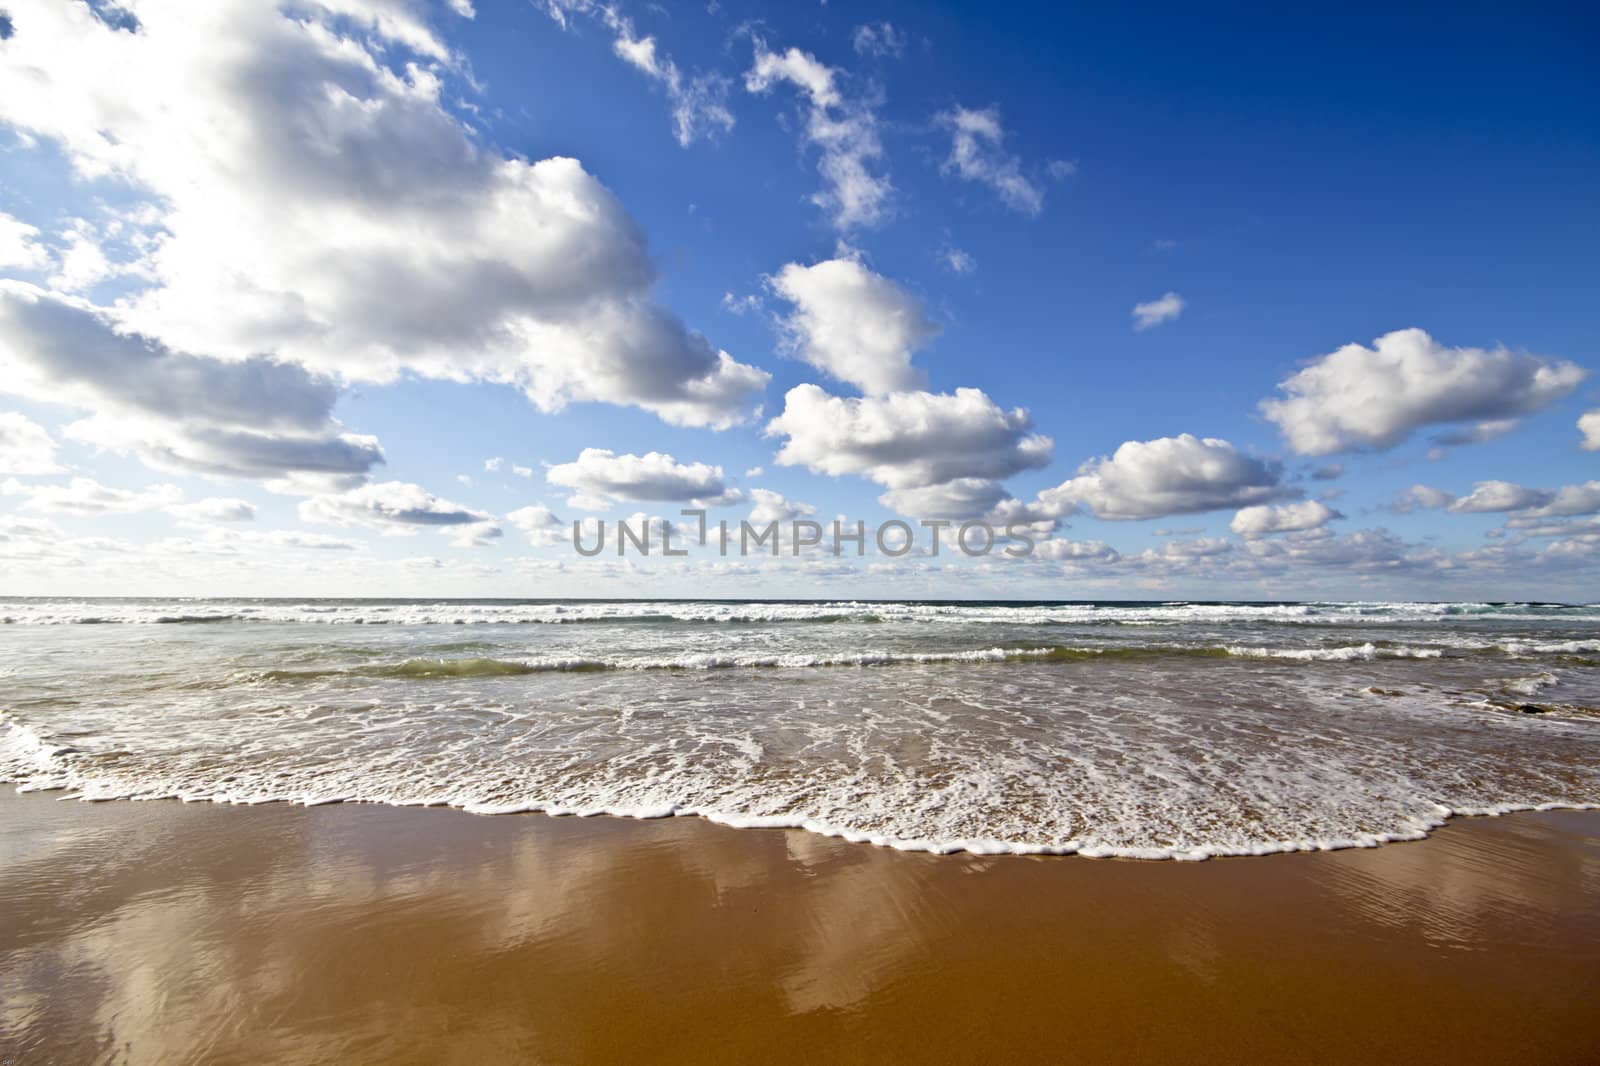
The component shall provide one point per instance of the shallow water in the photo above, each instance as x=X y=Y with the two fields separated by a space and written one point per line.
x=1142 y=730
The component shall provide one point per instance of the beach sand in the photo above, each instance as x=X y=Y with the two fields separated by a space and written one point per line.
x=169 y=932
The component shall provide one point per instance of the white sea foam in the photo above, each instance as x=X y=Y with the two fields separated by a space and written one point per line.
x=1195 y=730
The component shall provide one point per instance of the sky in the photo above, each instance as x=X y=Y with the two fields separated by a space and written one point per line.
x=382 y=297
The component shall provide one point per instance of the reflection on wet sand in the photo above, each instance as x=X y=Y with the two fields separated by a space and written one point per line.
x=163 y=932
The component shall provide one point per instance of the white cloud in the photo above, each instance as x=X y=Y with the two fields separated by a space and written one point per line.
x=1489 y=496
x=492 y=465
x=539 y=523
x=1262 y=519
x=254 y=417
x=699 y=101
x=1424 y=497
x=878 y=39
x=19 y=245
x=775 y=507
x=845 y=131
x=1589 y=426
x=965 y=497
x=397 y=507
x=1479 y=433
x=600 y=477
x=958 y=261
x=1168 y=476
x=1374 y=398
x=305 y=176
x=522 y=471
x=907 y=440
x=214 y=509
x=1076 y=551
x=86 y=496
x=1154 y=312
x=854 y=324
x=25 y=447
x=83 y=264
x=977 y=153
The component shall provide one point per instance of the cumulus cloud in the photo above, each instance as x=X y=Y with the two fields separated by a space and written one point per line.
x=25 y=447
x=1076 y=551
x=255 y=417
x=19 y=245
x=856 y=325
x=86 y=496
x=1489 y=496
x=599 y=478
x=699 y=101
x=977 y=154
x=775 y=507
x=1154 y=312
x=1589 y=426
x=539 y=523
x=1263 y=519
x=1424 y=497
x=214 y=509
x=1374 y=398
x=965 y=497
x=315 y=199
x=907 y=440
x=397 y=507
x=842 y=129
x=1168 y=476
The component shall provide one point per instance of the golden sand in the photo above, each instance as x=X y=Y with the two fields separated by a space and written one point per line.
x=170 y=933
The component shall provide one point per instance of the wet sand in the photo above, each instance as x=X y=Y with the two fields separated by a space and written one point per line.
x=168 y=932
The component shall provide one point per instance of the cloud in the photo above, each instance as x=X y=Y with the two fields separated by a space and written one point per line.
x=397 y=507
x=1424 y=497
x=1589 y=426
x=856 y=325
x=86 y=496
x=878 y=39
x=699 y=101
x=494 y=464
x=1262 y=519
x=539 y=523
x=1168 y=476
x=1076 y=551
x=1374 y=398
x=19 y=245
x=775 y=507
x=1480 y=433
x=25 y=447
x=214 y=509
x=1489 y=496
x=845 y=131
x=1154 y=312
x=315 y=199
x=963 y=498
x=256 y=417
x=1328 y=472
x=958 y=261
x=522 y=471
x=977 y=154
x=600 y=477
x=907 y=440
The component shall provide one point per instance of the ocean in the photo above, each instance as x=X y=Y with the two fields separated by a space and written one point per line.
x=1141 y=730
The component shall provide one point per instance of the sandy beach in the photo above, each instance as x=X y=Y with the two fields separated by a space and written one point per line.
x=170 y=932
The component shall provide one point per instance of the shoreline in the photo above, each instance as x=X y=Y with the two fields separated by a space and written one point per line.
x=167 y=931
x=975 y=848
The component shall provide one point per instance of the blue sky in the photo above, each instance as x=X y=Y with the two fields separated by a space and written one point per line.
x=281 y=283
